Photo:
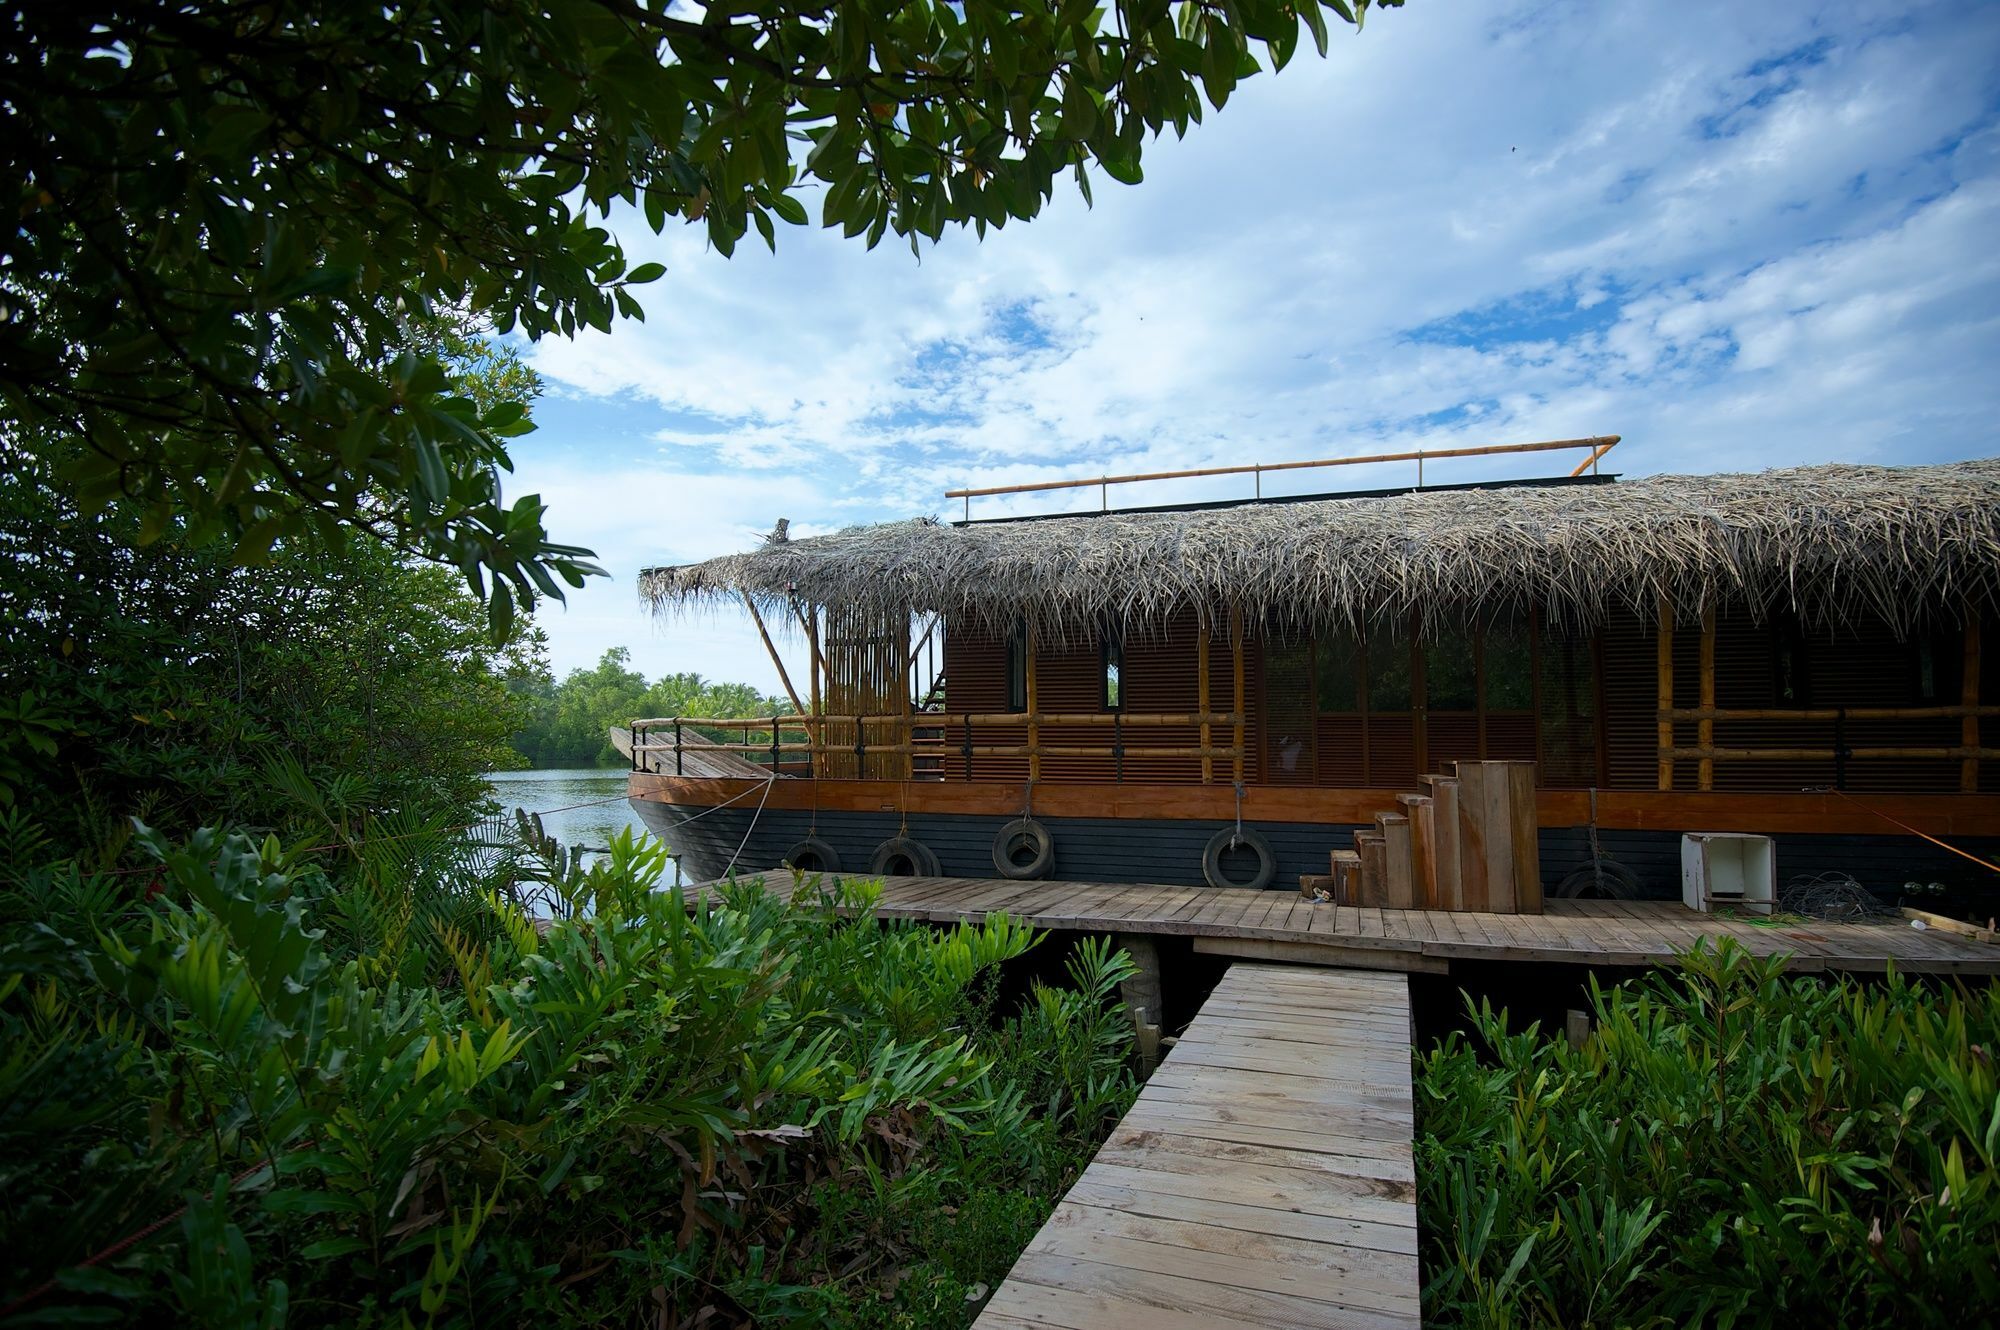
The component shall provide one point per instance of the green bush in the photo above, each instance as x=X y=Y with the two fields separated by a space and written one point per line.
x=355 y=1111
x=1731 y=1146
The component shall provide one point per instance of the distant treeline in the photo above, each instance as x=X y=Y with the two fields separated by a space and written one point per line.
x=568 y=721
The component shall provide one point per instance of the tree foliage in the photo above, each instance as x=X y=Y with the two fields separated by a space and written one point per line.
x=164 y=680
x=236 y=218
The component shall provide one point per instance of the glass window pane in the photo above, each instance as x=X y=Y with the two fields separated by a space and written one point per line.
x=1339 y=676
x=1388 y=668
x=1450 y=683
x=1510 y=683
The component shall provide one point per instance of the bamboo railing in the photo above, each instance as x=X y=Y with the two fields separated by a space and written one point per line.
x=822 y=737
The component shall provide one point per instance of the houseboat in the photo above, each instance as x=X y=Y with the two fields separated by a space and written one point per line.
x=1222 y=693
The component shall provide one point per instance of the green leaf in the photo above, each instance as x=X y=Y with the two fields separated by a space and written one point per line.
x=645 y=272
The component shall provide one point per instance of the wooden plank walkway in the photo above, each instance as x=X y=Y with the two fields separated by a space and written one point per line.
x=1263 y=1178
x=1281 y=925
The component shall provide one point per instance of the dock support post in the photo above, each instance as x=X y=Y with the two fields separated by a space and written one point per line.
x=1141 y=995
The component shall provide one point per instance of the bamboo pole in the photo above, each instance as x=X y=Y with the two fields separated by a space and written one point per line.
x=1940 y=753
x=1664 y=667
x=1034 y=708
x=1236 y=668
x=1705 y=735
x=1201 y=701
x=907 y=729
x=1968 y=698
x=1829 y=713
x=817 y=667
x=783 y=677
x=933 y=718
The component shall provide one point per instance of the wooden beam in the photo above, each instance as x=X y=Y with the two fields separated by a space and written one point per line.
x=1705 y=769
x=1034 y=706
x=1317 y=953
x=1664 y=666
x=1968 y=697
x=783 y=677
x=1236 y=666
x=1201 y=700
x=1795 y=813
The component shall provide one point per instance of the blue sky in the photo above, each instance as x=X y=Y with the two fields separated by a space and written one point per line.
x=1739 y=235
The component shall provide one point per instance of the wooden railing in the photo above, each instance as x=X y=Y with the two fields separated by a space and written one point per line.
x=1598 y=446
x=925 y=734
x=1839 y=752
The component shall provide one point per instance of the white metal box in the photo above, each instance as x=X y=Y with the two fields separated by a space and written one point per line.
x=1728 y=870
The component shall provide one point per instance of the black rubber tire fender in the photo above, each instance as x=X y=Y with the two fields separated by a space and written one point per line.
x=813 y=855
x=1024 y=833
x=904 y=856
x=1229 y=838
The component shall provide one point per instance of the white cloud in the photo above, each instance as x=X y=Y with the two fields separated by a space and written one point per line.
x=1736 y=234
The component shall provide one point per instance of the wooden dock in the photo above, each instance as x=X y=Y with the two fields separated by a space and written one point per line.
x=1263 y=1178
x=1282 y=926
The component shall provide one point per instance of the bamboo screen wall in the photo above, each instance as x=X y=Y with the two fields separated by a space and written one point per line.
x=1336 y=712
x=867 y=674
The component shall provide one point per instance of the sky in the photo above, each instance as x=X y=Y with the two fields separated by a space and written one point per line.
x=1738 y=235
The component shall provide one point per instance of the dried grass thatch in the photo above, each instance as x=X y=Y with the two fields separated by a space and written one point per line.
x=1832 y=543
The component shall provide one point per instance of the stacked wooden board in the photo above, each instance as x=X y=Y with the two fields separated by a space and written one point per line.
x=1470 y=843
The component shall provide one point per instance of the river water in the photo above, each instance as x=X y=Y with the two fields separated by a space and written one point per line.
x=582 y=807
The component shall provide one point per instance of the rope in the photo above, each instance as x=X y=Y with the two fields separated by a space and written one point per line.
x=1236 y=837
x=773 y=780
x=1913 y=831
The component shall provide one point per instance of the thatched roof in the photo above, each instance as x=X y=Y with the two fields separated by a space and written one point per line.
x=1831 y=542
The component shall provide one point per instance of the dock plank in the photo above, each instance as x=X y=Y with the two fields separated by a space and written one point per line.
x=1264 y=1177
x=1573 y=932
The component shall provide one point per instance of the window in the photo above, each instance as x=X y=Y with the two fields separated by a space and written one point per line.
x=1113 y=660
x=1509 y=663
x=1789 y=683
x=1339 y=673
x=1388 y=668
x=1451 y=683
x=1017 y=668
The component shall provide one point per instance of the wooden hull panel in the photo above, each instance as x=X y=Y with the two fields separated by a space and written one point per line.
x=1166 y=850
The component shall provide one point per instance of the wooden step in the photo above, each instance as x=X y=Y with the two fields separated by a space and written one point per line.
x=1444 y=832
x=1498 y=851
x=1317 y=886
x=1346 y=865
x=1398 y=888
x=1373 y=856
x=1423 y=848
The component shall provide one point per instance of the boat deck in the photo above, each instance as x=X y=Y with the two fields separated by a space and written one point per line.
x=1263 y=1177
x=1282 y=926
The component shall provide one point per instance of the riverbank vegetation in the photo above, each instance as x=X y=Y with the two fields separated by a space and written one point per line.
x=1731 y=1146
x=257 y=1088
x=565 y=724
